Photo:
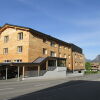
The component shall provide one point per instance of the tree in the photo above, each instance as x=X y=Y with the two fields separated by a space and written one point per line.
x=88 y=66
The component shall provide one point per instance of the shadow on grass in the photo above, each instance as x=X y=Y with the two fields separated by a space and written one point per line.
x=73 y=90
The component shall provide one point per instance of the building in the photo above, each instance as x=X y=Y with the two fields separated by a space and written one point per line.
x=95 y=66
x=24 y=49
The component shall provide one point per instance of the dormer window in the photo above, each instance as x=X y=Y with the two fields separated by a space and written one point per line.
x=20 y=36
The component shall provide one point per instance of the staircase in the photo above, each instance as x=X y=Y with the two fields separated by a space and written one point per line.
x=58 y=72
x=52 y=73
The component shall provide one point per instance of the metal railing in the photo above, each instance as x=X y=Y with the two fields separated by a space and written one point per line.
x=51 y=68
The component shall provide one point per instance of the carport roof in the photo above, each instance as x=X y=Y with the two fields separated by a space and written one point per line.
x=37 y=62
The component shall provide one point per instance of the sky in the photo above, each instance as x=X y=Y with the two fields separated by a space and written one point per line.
x=74 y=21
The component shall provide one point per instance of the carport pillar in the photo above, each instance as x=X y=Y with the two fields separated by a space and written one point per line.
x=6 y=72
x=39 y=70
x=23 y=71
x=56 y=63
x=46 y=65
x=18 y=73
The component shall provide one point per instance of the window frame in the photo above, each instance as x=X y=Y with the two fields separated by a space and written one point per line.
x=7 y=61
x=52 y=55
x=44 y=40
x=19 y=50
x=18 y=60
x=20 y=36
x=65 y=56
x=53 y=44
x=6 y=38
x=5 y=50
x=44 y=51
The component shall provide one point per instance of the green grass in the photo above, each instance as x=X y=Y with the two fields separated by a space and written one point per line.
x=91 y=72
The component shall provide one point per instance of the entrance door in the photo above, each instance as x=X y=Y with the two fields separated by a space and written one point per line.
x=52 y=63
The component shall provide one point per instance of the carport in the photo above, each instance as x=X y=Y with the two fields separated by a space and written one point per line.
x=20 y=68
x=33 y=69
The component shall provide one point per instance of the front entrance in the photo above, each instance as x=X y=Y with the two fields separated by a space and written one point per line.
x=51 y=63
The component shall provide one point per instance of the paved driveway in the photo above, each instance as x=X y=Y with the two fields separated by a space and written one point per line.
x=55 y=89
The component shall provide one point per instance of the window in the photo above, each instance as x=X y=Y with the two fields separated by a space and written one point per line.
x=19 y=49
x=53 y=44
x=75 y=63
x=18 y=60
x=69 y=56
x=60 y=46
x=20 y=36
x=53 y=54
x=69 y=65
x=44 y=51
x=6 y=61
x=51 y=63
x=65 y=48
x=6 y=39
x=44 y=40
x=69 y=49
x=5 y=51
x=59 y=54
x=65 y=56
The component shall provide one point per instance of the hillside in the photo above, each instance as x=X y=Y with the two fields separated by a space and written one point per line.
x=97 y=59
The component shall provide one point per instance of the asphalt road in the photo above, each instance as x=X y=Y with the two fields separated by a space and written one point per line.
x=79 y=88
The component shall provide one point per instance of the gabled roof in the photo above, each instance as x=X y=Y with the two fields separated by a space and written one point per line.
x=35 y=32
x=43 y=35
x=12 y=26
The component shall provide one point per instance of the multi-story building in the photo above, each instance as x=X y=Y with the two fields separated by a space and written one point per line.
x=22 y=46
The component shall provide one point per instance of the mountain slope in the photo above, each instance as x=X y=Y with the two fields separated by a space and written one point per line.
x=97 y=59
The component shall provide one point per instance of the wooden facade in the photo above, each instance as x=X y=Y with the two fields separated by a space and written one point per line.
x=37 y=44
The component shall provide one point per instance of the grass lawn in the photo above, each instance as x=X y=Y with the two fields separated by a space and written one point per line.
x=91 y=72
